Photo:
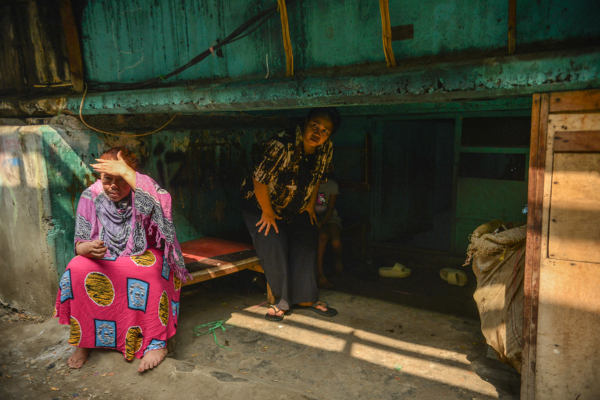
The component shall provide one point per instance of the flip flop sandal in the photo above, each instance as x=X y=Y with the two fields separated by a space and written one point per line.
x=274 y=317
x=329 y=313
x=397 y=271
x=454 y=277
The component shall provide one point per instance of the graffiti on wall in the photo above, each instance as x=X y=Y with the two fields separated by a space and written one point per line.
x=10 y=168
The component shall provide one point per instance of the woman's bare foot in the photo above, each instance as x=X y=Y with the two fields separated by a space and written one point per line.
x=323 y=283
x=151 y=359
x=319 y=307
x=79 y=357
x=274 y=314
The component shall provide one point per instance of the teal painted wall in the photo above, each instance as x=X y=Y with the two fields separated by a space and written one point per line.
x=145 y=38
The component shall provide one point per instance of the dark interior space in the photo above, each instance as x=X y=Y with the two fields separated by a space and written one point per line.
x=417 y=181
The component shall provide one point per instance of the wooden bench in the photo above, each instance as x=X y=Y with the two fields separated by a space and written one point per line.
x=208 y=258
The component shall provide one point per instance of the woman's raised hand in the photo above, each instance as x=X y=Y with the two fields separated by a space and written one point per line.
x=93 y=249
x=116 y=167
x=268 y=220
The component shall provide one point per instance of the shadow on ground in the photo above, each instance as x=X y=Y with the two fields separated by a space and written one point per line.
x=414 y=338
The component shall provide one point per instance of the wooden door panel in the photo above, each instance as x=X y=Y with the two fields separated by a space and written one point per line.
x=569 y=321
x=575 y=207
x=561 y=353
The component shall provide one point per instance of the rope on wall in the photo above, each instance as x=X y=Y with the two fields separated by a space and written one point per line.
x=287 y=43
x=116 y=134
x=386 y=33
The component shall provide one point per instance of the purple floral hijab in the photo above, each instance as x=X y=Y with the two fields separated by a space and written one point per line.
x=143 y=219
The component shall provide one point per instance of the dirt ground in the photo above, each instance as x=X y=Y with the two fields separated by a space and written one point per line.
x=413 y=338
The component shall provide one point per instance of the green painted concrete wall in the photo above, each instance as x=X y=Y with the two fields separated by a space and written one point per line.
x=141 y=39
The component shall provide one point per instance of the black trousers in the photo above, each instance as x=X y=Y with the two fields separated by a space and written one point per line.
x=289 y=258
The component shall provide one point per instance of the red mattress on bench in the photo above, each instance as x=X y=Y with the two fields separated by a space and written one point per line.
x=208 y=247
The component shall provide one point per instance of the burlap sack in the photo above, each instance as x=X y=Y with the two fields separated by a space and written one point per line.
x=498 y=264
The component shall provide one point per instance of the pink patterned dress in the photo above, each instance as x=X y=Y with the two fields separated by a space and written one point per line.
x=128 y=301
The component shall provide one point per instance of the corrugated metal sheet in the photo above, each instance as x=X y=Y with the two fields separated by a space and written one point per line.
x=32 y=46
x=142 y=39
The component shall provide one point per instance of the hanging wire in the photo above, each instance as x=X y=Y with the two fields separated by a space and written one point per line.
x=386 y=34
x=287 y=43
x=236 y=35
x=116 y=134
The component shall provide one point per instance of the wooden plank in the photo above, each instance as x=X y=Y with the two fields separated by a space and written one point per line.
x=72 y=39
x=213 y=272
x=568 y=345
x=560 y=123
x=578 y=141
x=575 y=207
x=209 y=247
x=245 y=259
x=512 y=25
x=555 y=123
x=539 y=128
x=583 y=100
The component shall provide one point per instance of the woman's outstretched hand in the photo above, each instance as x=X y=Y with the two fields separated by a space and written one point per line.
x=268 y=220
x=312 y=214
x=93 y=249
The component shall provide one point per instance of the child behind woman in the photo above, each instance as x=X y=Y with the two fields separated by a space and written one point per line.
x=330 y=226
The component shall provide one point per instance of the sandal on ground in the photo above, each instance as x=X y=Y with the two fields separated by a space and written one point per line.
x=397 y=271
x=323 y=283
x=275 y=317
x=454 y=277
x=329 y=313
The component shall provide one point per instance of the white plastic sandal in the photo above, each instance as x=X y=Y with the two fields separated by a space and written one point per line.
x=397 y=271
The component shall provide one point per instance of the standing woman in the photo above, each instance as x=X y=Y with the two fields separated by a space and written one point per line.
x=278 y=201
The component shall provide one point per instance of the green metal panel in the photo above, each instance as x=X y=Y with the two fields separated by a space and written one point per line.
x=495 y=150
x=141 y=39
x=482 y=200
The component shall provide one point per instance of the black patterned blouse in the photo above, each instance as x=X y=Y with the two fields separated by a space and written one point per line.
x=290 y=174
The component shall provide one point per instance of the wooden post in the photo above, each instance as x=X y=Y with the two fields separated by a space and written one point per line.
x=72 y=38
x=537 y=165
x=512 y=25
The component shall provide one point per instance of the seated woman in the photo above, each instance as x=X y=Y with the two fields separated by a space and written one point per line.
x=279 y=199
x=330 y=227
x=122 y=289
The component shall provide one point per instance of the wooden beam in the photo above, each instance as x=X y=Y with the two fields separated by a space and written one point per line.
x=73 y=46
x=512 y=25
x=581 y=100
x=537 y=166
x=577 y=142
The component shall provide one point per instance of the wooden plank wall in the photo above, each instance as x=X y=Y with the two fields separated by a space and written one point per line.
x=561 y=354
